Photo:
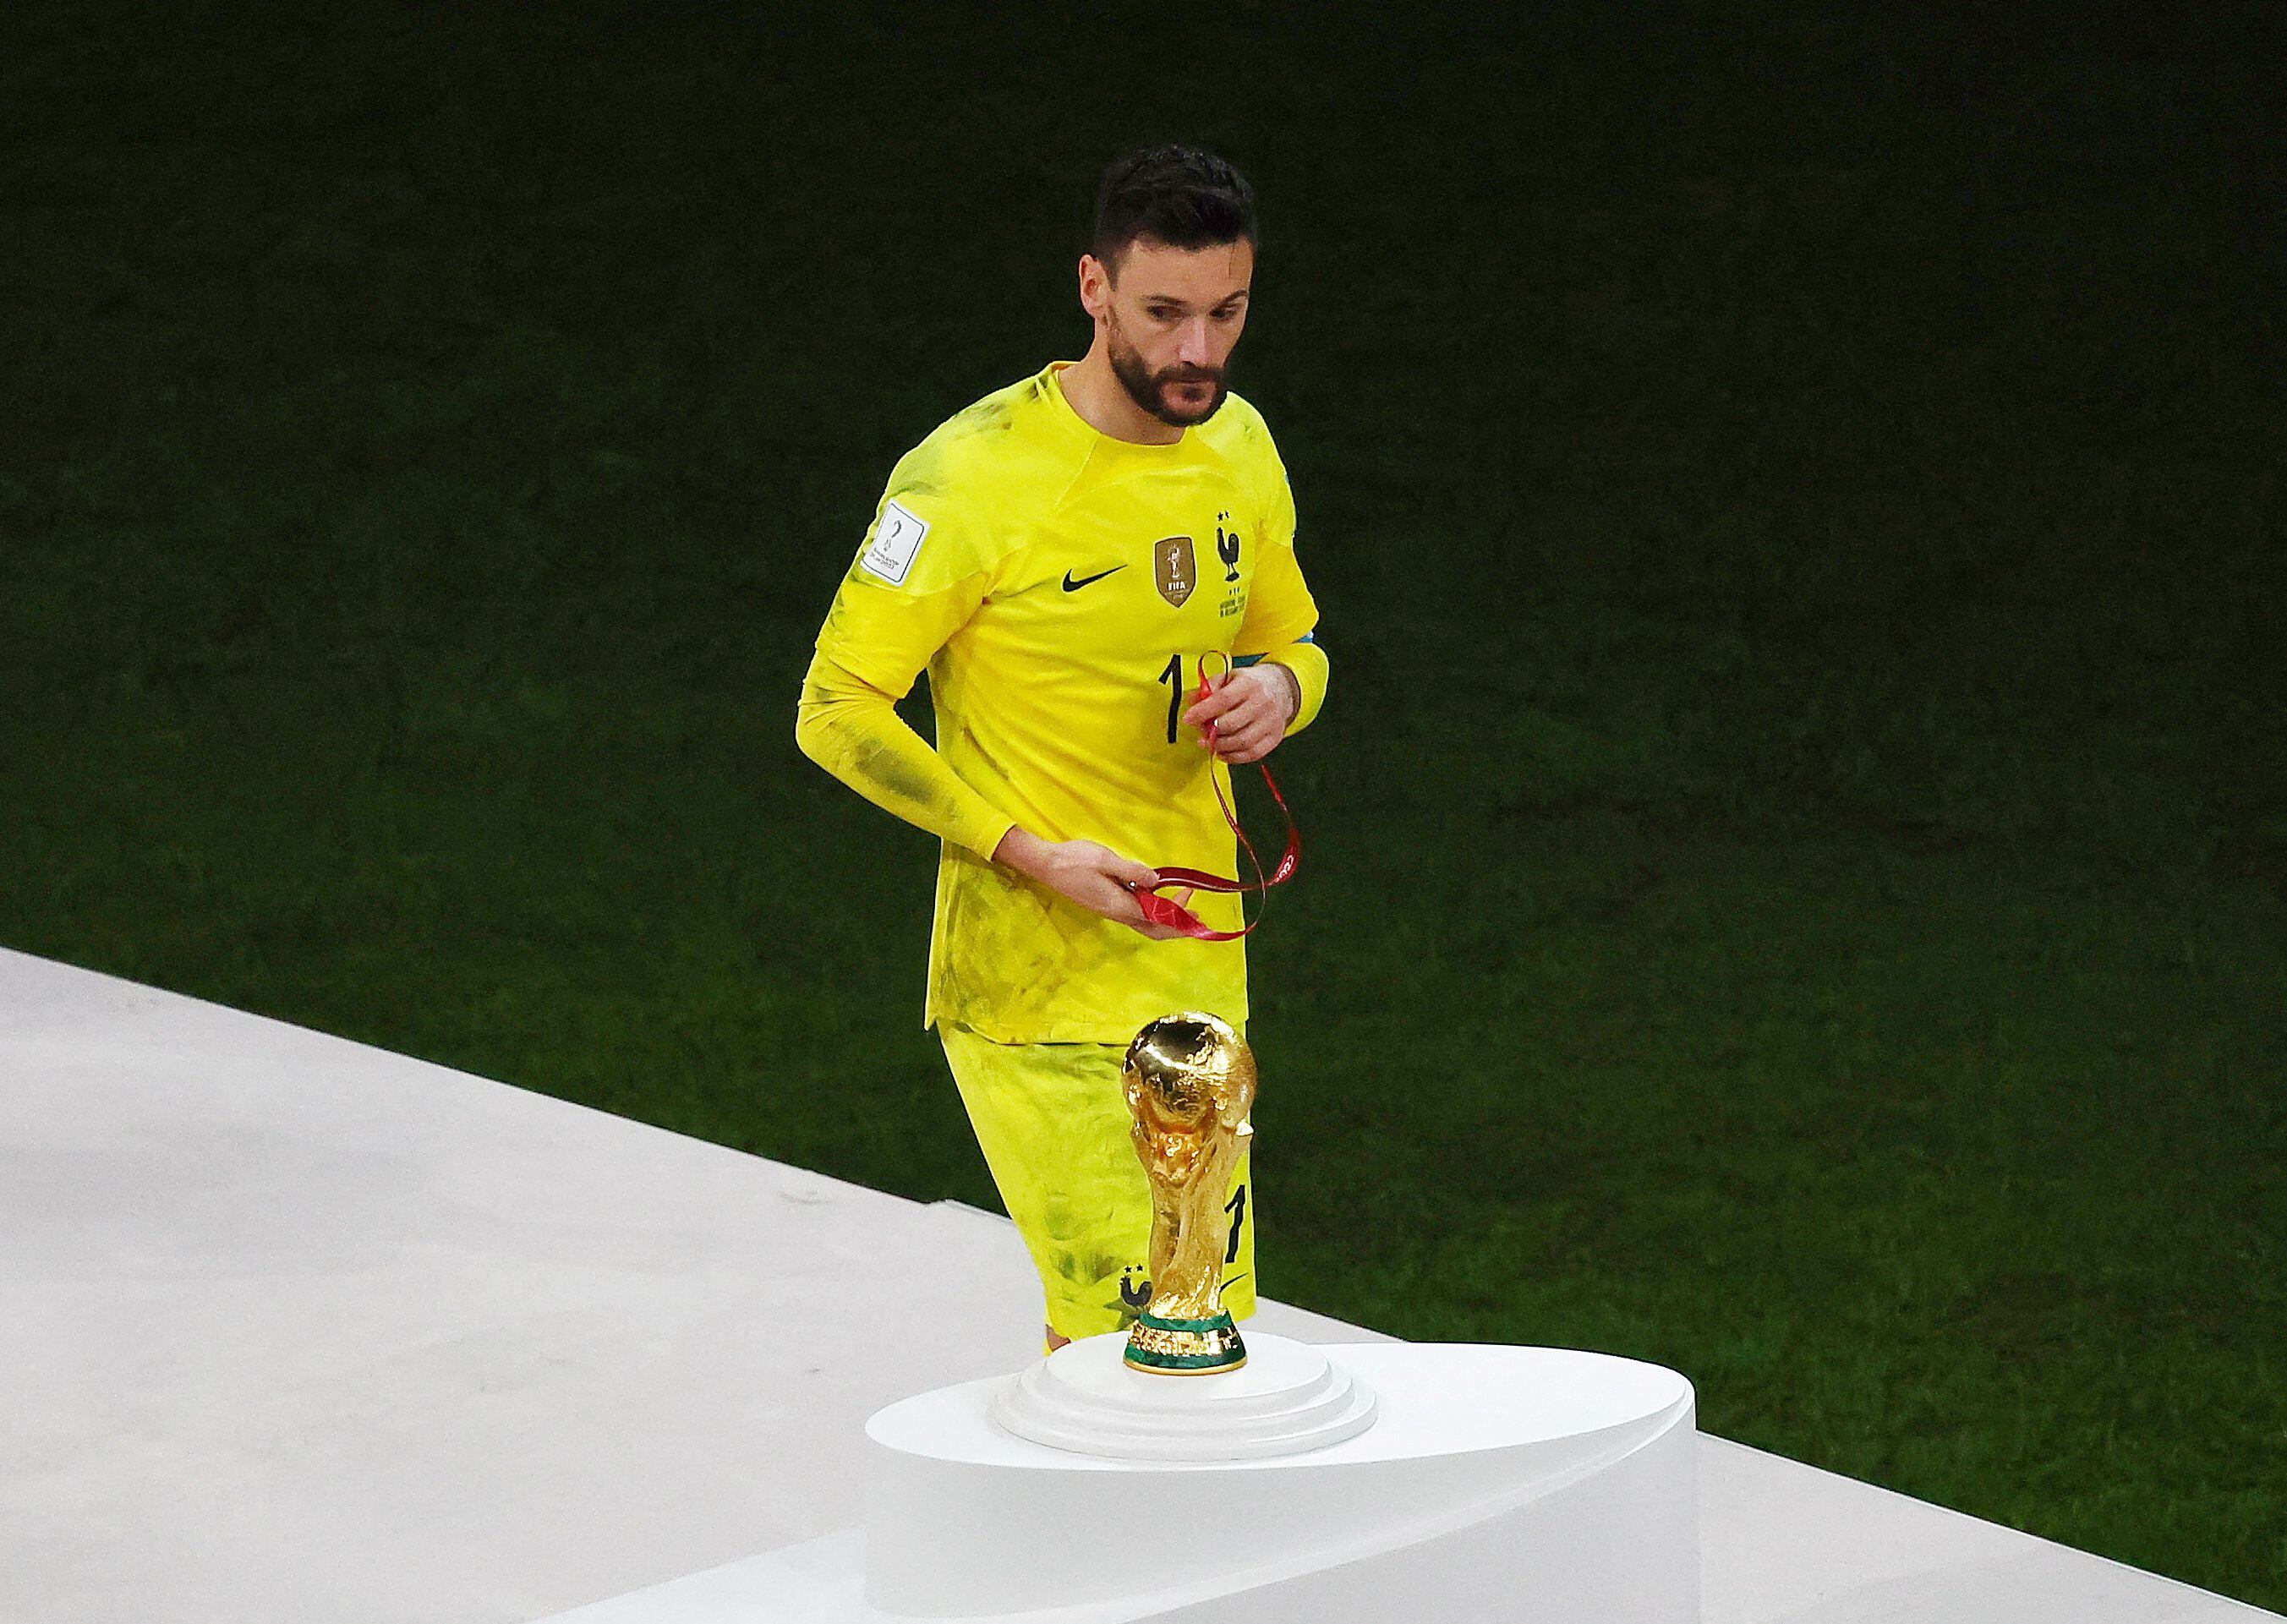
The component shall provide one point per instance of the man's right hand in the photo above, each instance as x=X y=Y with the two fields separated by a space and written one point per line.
x=1094 y=877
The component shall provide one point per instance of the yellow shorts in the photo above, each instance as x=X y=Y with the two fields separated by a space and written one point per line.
x=1054 y=1126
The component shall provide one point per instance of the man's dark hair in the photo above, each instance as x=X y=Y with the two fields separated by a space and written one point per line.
x=1175 y=194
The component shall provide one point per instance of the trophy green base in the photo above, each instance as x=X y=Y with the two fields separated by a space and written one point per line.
x=1184 y=1347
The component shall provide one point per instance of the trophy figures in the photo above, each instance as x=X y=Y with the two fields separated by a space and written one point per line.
x=1189 y=1082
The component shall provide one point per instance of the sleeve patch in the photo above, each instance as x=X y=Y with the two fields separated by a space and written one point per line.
x=896 y=540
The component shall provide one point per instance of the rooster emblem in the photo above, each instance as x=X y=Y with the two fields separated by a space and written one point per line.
x=1227 y=548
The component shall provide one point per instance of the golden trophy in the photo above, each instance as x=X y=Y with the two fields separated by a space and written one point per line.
x=1189 y=1082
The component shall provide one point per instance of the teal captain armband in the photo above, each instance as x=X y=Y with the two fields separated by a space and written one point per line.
x=1247 y=660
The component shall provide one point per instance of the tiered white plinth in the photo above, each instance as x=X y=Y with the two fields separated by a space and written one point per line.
x=1493 y=1483
x=1286 y=1399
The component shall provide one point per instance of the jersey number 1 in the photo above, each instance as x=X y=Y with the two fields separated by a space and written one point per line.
x=1174 y=678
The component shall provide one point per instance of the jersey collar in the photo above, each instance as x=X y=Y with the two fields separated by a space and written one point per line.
x=1074 y=424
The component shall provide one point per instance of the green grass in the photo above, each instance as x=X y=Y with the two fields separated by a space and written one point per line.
x=1796 y=873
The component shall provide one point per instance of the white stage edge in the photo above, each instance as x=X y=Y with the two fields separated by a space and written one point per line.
x=294 y=1330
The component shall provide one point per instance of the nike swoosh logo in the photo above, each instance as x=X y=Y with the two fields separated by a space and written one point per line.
x=1071 y=585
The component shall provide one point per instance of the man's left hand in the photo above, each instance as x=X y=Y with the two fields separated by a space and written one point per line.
x=1250 y=709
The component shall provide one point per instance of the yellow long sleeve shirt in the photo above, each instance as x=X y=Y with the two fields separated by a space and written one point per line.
x=1061 y=588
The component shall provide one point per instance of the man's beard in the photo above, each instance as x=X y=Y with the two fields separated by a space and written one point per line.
x=1143 y=389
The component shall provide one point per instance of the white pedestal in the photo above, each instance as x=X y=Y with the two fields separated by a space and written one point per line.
x=1494 y=1483
x=1287 y=1398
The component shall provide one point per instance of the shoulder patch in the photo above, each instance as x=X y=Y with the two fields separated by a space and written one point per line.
x=896 y=540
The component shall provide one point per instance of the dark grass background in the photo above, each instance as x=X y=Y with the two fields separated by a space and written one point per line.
x=1797 y=871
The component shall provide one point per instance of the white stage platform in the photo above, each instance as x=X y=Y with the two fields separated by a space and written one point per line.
x=294 y=1330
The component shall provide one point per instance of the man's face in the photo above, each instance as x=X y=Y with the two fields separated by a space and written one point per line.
x=1170 y=322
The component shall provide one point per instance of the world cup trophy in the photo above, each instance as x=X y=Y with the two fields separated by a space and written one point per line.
x=1190 y=1083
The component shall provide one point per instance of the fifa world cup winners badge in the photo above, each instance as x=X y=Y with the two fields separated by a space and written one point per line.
x=1190 y=1080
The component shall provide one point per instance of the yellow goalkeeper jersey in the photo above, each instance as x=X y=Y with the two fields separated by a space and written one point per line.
x=1061 y=587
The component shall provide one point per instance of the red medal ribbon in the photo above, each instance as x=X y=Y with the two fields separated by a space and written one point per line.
x=1159 y=911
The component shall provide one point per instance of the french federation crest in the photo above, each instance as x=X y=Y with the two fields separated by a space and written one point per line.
x=1175 y=568
x=1226 y=544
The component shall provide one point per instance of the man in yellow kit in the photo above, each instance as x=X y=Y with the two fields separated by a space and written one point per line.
x=1065 y=558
